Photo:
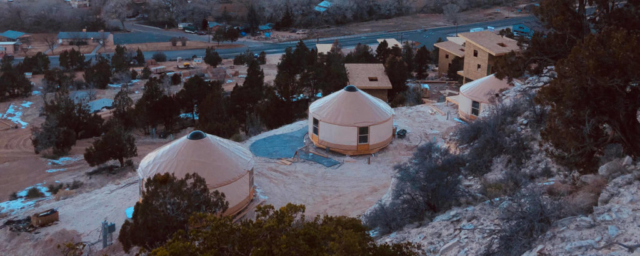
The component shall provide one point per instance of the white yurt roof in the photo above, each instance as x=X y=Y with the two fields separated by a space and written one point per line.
x=483 y=89
x=217 y=160
x=351 y=107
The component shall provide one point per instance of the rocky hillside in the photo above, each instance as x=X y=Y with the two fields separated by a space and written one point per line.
x=595 y=214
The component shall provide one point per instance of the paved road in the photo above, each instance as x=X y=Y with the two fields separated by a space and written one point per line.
x=427 y=38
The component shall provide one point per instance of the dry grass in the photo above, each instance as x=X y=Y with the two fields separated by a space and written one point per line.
x=166 y=46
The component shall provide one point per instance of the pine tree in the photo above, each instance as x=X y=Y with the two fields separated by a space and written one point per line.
x=408 y=57
x=253 y=19
x=123 y=110
x=99 y=74
x=382 y=52
x=119 y=60
x=398 y=74
x=115 y=144
x=140 y=57
x=167 y=204
x=422 y=61
x=211 y=57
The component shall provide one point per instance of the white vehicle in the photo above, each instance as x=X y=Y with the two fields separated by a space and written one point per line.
x=476 y=29
x=302 y=31
x=182 y=25
x=492 y=29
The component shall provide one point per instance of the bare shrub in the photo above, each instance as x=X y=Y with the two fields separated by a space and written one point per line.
x=528 y=216
x=493 y=136
x=427 y=184
x=611 y=152
x=511 y=183
x=34 y=193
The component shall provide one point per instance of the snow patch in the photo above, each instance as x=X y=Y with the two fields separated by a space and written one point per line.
x=22 y=203
x=260 y=195
x=26 y=104
x=56 y=170
x=14 y=115
x=65 y=160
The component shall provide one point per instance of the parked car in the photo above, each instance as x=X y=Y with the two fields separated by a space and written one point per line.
x=293 y=31
x=201 y=33
x=302 y=31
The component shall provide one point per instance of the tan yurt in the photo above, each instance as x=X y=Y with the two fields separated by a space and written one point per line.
x=225 y=165
x=476 y=96
x=351 y=122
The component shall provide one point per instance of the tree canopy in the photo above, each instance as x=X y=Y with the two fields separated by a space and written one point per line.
x=167 y=203
x=285 y=231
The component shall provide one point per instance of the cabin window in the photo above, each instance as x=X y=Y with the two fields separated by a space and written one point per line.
x=475 y=53
x=475 y=108
x=479 y=67
x=373 y=79
x=446 y=56
x=363 y=135
x=316 y=127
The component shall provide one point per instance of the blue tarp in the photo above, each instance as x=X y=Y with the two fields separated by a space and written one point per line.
x=129 y=212
x=285 y=146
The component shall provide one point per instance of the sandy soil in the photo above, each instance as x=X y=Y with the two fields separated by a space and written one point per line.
x=166 y=46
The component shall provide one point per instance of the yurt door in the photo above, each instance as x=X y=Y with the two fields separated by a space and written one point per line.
x=363 y=138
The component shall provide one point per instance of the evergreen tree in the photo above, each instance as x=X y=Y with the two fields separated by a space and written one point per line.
x=99 y=74
x=244 y=99
x=167 y=204
x=286 y=21
x=204 y=25
x=232 y=34
x=13 y=82
x=193 y=93
x=284 y=231
x=361 y=54
x=140 y=58
x=383 y=51
x=398 y=74
x=119 y=60
x=457 y=64
x=65 y=122
x=215 y=117
x=115 y=144
x=421 y=62
x=145 y=108
x=408 y=57
x=64 y=60
x=219 y=35
x=253 y=19
x=591 y=106
x=36 y=64
x=262 y=58
x=123 y=110
x=146 y=73
x=211 y=57
x=56 y=79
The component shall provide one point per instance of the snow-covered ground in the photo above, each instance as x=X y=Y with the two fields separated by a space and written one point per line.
x=13 y=114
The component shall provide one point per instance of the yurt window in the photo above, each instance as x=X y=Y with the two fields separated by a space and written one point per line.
x=316 y=125
x=363 y=135
x=475 y=108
